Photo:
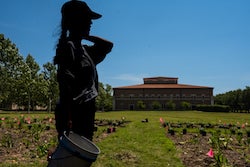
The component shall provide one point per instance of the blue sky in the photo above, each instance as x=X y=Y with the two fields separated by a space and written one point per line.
x=202 y=42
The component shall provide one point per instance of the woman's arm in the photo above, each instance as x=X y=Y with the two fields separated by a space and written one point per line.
x=100 y=48
x=108 y=45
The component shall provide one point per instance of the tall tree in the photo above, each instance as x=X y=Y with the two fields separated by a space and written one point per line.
x=246 y=98
x=104 y=101
x=49 y=72
x=238 y=100
x=32 y=80
x=11 y=64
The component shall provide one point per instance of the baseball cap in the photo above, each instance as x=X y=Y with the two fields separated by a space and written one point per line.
x=74 y=7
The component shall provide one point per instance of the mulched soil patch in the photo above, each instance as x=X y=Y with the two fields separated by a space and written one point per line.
x=29 y=145
x=30 y=142
x=194 y=147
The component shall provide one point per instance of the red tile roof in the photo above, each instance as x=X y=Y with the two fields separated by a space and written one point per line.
x=162 y=86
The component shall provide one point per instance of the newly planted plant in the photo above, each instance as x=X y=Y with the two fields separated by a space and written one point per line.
x=171 y=131
x=184 y=131
x=7 y=140
x=248 y=133
x=36 y=130
x=218 y=143
x=203 y=132
x=221 y=160
x=26 y=142
x=239 y=137
x=42 y=149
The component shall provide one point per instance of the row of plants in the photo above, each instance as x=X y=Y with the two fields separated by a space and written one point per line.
x=221 y=137
x=22 y=121
x=31 y=137
x=26 y=137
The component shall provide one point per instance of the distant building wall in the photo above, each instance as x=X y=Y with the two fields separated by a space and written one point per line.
x=126 y=98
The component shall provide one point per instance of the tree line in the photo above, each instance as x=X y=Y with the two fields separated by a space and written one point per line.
x=238 y=100
x=25 y=84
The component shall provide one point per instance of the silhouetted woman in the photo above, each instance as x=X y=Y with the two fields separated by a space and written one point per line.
x=77 y=75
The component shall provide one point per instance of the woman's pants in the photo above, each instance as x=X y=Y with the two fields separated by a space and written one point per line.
x=82 y=117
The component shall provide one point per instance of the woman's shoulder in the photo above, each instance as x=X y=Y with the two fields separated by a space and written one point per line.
x=65 y=53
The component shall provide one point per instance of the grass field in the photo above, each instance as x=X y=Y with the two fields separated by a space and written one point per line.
x=146 y=144
x=137 y=144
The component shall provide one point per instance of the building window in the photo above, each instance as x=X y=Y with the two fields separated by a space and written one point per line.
x=203 y=99
x=193 y=96
x=177 y=96
x=131 y=96
x=184 y=97
x=171 y=97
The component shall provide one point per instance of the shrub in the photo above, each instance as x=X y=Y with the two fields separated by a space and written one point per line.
x=170 y=105
x=141 y=105
x=156 y=105
x=213 y=108
x=185 y=105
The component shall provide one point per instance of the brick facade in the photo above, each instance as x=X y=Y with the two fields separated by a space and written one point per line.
x=162 y=90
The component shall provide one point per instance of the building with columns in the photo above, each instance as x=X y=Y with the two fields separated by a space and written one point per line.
x=160 y=90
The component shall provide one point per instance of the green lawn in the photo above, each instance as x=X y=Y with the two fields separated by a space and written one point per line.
x=139 y=144
x=144 y=144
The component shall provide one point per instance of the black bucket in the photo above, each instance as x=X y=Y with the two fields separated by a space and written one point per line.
x=74 y=151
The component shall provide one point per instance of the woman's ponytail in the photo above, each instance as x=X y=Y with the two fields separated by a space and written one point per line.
x=61 y=42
